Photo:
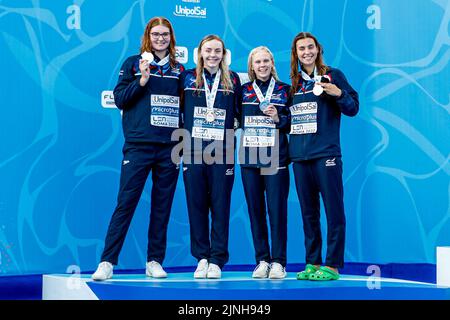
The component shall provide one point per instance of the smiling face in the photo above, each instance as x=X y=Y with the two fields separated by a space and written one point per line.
x=307 y=52
x=212 y=54
x=160 y=38
x=262 y=65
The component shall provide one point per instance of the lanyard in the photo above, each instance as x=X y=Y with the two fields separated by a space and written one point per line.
x=269 y=92
x=316 y=78
x=210 y=95
x=317 y=90
x=161 y=62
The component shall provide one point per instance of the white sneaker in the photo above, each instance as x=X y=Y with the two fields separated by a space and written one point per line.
x=214 y=271
x=261 y=270
x=202 y=269
x=104 y=271
x=154 y=269
x=277 y=271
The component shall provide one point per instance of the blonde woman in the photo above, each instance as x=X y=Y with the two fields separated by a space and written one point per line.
x=265 y=113
x=211 y=97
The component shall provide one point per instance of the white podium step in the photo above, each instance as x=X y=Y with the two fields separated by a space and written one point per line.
x=56 y=287
x=443 y=266
x=235 y=285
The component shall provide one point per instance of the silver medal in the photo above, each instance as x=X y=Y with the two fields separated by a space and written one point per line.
x=148 y=56
x=210 y=117
x=263 y=105
x=317 y=90
x=210 y=96
x=264 y=100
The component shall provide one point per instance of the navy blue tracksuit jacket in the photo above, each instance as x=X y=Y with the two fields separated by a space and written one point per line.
x=208 y=184
x=150 y=114
x=314 y=148
x=265 y=176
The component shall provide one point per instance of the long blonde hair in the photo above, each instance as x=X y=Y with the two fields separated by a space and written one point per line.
x=225 y=78
x=322 y=68
x=251 y=72
x=146 y=44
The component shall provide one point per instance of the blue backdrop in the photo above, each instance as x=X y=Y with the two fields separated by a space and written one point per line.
x=60 y=149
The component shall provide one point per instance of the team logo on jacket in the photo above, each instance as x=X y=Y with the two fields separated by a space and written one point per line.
x=330 y=162
x=229 y=172
x=277 y=96
x=164 y=111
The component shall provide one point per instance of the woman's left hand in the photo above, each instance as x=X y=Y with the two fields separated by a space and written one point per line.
x=331 y=89
x=272 y=112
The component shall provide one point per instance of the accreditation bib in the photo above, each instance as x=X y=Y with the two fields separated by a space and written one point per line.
x=304 y=118
x=259 y=131
x=164 y=111
x=205 y=129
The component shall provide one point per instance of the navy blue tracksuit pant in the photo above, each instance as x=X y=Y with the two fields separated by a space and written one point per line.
x=139 y=159
x=208 y=187
x=322 y=176
x=274 y=188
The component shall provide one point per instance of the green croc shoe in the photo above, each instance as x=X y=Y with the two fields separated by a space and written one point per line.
x=309 y=270
x=324 y=274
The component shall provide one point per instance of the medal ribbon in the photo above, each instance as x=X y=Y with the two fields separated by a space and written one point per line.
x=210 y=95
x=316 y=78
x=269 y=92
x=161 y=62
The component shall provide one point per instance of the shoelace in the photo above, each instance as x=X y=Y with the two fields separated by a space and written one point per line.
x=277 y=267
x=260 y=265
x=202 y=267
x=214 y=268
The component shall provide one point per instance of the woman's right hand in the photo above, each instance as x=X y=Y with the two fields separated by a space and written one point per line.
x=272 y=112
x=145 y=71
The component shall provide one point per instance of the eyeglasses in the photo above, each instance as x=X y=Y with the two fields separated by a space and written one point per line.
x=156 y=35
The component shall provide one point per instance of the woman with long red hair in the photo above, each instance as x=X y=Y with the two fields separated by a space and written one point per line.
x=148 y=94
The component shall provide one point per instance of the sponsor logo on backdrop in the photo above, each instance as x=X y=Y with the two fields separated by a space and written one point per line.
x=193 y=1
x=243 y=77
x=228 y=56
x=194 y=12
x=181 y=54
x=108 y=99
